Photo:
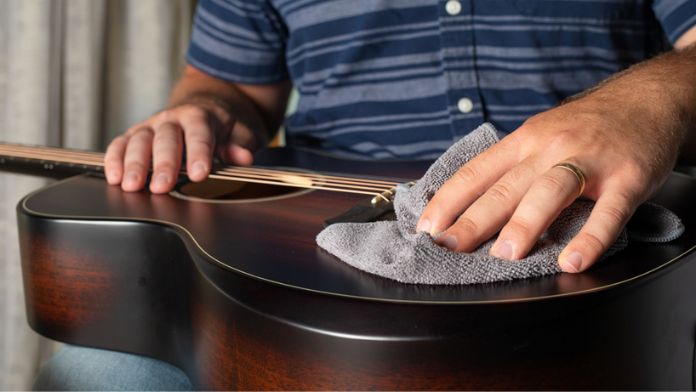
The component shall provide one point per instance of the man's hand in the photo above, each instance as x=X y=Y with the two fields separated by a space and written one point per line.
x=624 y=136
x=199 y=125
x=207 y=115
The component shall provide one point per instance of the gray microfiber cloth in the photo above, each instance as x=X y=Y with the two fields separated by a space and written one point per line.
x=393 y=249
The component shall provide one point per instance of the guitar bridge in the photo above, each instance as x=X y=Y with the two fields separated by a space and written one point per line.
x=380 y=208
x=388 y=195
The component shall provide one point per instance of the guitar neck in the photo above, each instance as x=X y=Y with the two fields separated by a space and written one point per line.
x=61 y=163
x=48 y=161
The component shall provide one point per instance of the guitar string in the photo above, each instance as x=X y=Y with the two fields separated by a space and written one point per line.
x=261 y=170
x=258 y=175
x=347 y=189
x=53 y=151
x=291 y=180
x=307 y=186
x=292 y=176
x=286 y=177
x=97 y=157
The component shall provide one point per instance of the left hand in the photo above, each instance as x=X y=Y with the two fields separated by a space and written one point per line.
x=623 y=149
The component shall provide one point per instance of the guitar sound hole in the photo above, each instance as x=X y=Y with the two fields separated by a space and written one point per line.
x=227 y=191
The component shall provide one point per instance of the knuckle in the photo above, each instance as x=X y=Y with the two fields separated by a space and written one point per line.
x=530 y=123
x=617 y=216
x=112 y=160
x=115 y=145
x=526 y=126
x=135 y=127
x=560 y=140
x=205 y=145
x=135 y=166
x=118 y=139
x=551 y=184
x=164 y=128
x=197 y=131
x=164 y=153
x=164 y=166
x=142 y=133
x=635 y=176
x=593 y=242
x=518 y=228
x=199 y=135
x=466 y=226
x=193 y=111
x=166 y=115
x=113 y=164
x=165 y=150
x=500 y=192
x=166 y=135
x=466 y=174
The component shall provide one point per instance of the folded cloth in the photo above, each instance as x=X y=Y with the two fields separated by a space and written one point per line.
x=393 y=249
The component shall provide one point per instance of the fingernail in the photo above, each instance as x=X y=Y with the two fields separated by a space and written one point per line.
x=162 y=179
x=198 y=169
x=132 y=177
x=449 y=241
x=423 y=226
x=573 y=262
x=504 y=250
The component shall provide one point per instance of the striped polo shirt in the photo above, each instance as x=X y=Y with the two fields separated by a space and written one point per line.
x=406 y=78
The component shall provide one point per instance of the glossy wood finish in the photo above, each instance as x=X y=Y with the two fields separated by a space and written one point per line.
x=239 y=296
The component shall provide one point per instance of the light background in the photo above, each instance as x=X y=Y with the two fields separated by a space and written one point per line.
x=73 y=73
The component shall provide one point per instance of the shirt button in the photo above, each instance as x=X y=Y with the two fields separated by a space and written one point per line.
x=465 y=105
x=453 y=7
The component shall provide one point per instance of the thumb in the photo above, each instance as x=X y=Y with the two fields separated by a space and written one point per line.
x=238 y=146
x=236 y=155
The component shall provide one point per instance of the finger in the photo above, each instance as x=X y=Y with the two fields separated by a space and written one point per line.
x=113 y=160
x=236 y=155
x=167 y=148
x=546 y=198
x=608 y=217
x=489 y=212
x=238 y=146
x=465 y=186
x=200 y=142
x=137 y=159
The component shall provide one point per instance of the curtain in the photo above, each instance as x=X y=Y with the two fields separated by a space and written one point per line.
x=73 y=73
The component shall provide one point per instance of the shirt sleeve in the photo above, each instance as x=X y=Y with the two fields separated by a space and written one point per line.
x=240 y=41
x=675 y=16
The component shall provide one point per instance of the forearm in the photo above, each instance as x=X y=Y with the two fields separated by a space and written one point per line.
x=260 y=109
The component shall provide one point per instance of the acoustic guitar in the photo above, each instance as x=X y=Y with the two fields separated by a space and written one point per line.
x=224 y=280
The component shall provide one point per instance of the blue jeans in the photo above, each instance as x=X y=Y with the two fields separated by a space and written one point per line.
x=80 y=368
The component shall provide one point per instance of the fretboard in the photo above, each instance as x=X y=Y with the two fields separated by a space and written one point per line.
x=59 y=163
x=48 y=161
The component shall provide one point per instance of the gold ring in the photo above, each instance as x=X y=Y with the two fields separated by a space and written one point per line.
x=576 y=171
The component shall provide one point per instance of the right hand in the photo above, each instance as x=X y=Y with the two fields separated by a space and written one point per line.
x=202 y=127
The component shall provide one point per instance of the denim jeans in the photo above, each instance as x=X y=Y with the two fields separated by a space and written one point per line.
x=80 y=368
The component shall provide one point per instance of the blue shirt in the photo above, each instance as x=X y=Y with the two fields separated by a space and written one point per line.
x=406 y=78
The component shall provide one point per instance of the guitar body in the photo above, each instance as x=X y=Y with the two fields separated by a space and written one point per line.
x=239 y=296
